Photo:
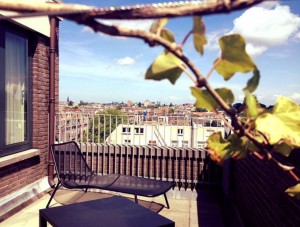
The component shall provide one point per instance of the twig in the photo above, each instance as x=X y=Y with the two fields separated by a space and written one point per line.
x=225 y=120
x=213 y=68
x=186 y=37
x=259 y=156
x=190 y=76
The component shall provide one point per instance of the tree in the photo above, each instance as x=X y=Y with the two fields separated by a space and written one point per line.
x=102 y=124
x=82 y=103
x=257 y=134
x=201 y=110
x=70 y=103
x=237 y=106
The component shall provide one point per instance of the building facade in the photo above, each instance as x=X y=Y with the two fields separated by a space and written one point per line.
x=24 y=109
x=188 y=136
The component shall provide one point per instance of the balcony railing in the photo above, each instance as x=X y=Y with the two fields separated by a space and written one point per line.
x=166 y=148
x=171 y=131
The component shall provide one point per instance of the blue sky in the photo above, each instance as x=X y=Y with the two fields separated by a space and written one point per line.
x=99 y=68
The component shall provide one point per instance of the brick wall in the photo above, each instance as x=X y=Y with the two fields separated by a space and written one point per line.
x=20 y=174
x=259 y=194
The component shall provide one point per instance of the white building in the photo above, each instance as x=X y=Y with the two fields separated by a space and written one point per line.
x=163 y=134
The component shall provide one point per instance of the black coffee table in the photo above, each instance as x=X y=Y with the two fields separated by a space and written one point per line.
x=115 y=211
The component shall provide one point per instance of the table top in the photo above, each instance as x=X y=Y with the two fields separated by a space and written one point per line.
x=109 y=212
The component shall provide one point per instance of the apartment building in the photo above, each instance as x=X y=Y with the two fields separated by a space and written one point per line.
x=164 y=134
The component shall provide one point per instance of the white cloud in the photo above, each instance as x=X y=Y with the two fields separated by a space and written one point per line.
x=87 y=29
x=268 y=4
x=266 y=27
x=255 y=50
x=174 y=98
x=298 y=35
x=295 y=96
x=126 y=61
x=212 y=39
x=241 y=97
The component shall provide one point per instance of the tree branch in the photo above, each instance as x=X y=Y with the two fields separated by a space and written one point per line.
x=159 y=10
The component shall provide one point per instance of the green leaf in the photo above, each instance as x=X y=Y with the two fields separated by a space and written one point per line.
x=251 y=104
x=253 y=82
x=167 y=35
x=284 y=148
x=199 y=34
x=221 y=149
x=217 y=147
x=294 y=191
x=158 y=25
x=282 y=124
x=238 y=146
x=234 y=56
x=157 y=28
x=165 y=66
x=205 y=100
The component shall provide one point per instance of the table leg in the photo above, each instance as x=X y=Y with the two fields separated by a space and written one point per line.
x=43 y=221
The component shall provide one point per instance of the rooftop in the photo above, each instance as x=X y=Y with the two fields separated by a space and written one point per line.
x=187 y=208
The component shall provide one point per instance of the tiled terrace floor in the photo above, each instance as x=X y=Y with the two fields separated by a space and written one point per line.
x=187 y=208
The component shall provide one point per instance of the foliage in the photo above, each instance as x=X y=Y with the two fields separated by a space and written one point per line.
x=262 y=130
x=82 y=103
x=103 y=124
x=70 y=103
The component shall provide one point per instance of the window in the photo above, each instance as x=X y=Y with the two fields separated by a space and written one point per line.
x=180 y=132
x=185 y=144
x=15 y=97
x=126 y=130
x=127 y=142
x=201 y=144
x=139 y=130
x=152 y=143
x=174 y=143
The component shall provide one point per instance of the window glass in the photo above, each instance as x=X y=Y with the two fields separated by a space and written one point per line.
x=126 y=130
x=139 y=130
x=174 y=143
x=180 y=131
x=15 y=88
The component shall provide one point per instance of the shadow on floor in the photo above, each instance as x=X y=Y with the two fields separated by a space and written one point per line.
x=214 y=210
x=74 y=196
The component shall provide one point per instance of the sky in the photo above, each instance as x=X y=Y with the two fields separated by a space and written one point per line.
x=99 y=68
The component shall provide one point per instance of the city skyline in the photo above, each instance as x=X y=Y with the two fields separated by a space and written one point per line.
x=99 y=68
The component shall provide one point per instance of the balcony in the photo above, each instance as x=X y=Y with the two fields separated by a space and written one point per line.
x=148 y=150
x=204 y=194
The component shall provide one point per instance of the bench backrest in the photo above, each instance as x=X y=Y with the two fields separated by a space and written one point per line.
x=70 y=163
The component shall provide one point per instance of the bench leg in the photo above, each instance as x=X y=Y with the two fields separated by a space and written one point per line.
x=42 y=220
x=168 y=206
x=53 y=193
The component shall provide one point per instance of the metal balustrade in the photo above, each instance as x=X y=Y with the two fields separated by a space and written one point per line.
x=186 y=167
x=170 y=149
x=170 y=131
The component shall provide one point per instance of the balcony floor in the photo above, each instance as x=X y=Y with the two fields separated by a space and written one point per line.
x=187 y=208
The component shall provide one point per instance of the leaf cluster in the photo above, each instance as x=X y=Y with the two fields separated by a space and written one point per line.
x=261 y=131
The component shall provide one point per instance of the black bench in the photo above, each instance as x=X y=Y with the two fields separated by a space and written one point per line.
x=73 y=172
